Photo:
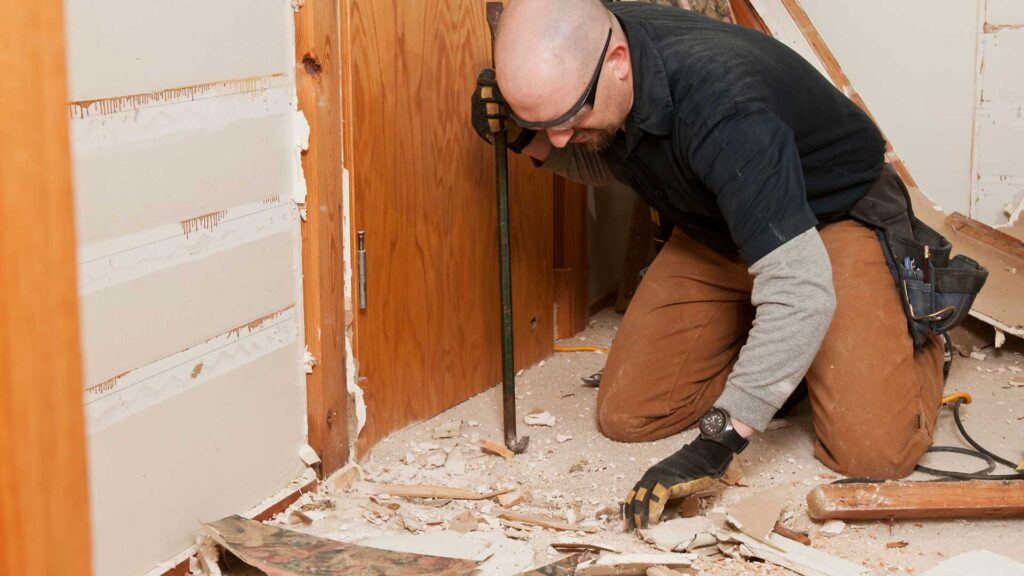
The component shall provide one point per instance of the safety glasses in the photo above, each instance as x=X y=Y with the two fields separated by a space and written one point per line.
x=584 y=104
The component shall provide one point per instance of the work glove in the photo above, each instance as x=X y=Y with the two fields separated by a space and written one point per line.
x=488 y=113
x=692 y=469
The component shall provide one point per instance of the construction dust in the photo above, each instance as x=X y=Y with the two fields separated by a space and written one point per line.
x=573 y=478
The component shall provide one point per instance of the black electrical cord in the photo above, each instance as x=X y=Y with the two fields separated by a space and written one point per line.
x=978 y=452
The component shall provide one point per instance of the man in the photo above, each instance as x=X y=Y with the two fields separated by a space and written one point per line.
x=758 y=161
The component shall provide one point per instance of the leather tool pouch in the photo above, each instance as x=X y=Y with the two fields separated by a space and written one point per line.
x=936 y=291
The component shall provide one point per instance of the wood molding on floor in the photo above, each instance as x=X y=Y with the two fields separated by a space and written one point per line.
x=318 y=83
x=986 y=234
x=44 y=504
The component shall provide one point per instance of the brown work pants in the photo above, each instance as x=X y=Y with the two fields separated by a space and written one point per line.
x=874 y=400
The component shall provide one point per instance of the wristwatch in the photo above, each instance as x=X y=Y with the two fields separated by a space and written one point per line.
x=716 y=426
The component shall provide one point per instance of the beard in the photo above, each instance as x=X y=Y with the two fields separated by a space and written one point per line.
x=593 y=138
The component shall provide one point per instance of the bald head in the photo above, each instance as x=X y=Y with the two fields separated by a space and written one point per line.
x=546 y=52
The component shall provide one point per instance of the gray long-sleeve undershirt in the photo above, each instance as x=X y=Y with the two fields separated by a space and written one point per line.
x=794 y=297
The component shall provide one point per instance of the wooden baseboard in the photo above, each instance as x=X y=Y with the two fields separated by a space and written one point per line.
x=271 y=510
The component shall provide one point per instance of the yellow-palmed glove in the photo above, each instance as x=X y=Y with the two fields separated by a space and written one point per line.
x=692 y=469
x=489 y=116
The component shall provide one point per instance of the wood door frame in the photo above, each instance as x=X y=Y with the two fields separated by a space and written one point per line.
x=318 y=72
x=43 y=473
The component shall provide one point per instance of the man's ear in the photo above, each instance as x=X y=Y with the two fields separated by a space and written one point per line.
x=618 y=59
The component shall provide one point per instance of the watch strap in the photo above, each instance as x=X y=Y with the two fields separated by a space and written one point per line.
x=731 y=439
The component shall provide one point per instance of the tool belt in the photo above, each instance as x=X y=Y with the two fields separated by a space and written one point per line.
x=937 y=291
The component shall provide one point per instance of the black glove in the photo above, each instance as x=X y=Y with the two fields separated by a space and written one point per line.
x=692 y=469
x=489 y=117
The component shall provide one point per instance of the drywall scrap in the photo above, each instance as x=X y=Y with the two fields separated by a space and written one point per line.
x=280 y=552
x=977 y=562
x=998 y=304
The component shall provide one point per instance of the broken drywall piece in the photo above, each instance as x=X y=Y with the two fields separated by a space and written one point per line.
x=207 y=556
x=615 y=564
x=447 y=430
x=351 y=382
x=308 y=455
x=540 y=417
x=455 y=463
x=281 y=552
x=789 y=554
x=308 y=361
x=756 y=515
x=441 y=544
x=563 y=438
x=977 y=562
x=465 y=522
x=300 y=132
x=345 y=478
x=675 y=535
x=510 y=499
x=832 y=528
x=1000 y=338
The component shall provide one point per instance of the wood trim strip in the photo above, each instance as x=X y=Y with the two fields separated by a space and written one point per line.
x=318 y=84
x=986 y=234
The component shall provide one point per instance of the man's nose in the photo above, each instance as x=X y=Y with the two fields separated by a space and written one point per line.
x=559 y=138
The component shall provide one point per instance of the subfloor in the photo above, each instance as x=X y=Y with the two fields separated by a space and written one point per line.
x=573 y=472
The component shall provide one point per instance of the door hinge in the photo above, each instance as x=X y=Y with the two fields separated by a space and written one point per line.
x=361 y=256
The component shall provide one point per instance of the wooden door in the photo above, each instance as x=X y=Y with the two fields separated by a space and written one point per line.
x=423 y=191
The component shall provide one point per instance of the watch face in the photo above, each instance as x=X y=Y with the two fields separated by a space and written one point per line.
x=713 y=423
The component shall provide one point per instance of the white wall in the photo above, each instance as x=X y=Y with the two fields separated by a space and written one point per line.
x=944 y=82
x=185 y=160
x=913 y=63
x=998 y=171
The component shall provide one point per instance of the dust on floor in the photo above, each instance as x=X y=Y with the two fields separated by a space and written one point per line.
x=573 y=472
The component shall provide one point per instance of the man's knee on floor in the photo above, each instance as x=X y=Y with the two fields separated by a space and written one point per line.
x=887 y=458
x=621 y=426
